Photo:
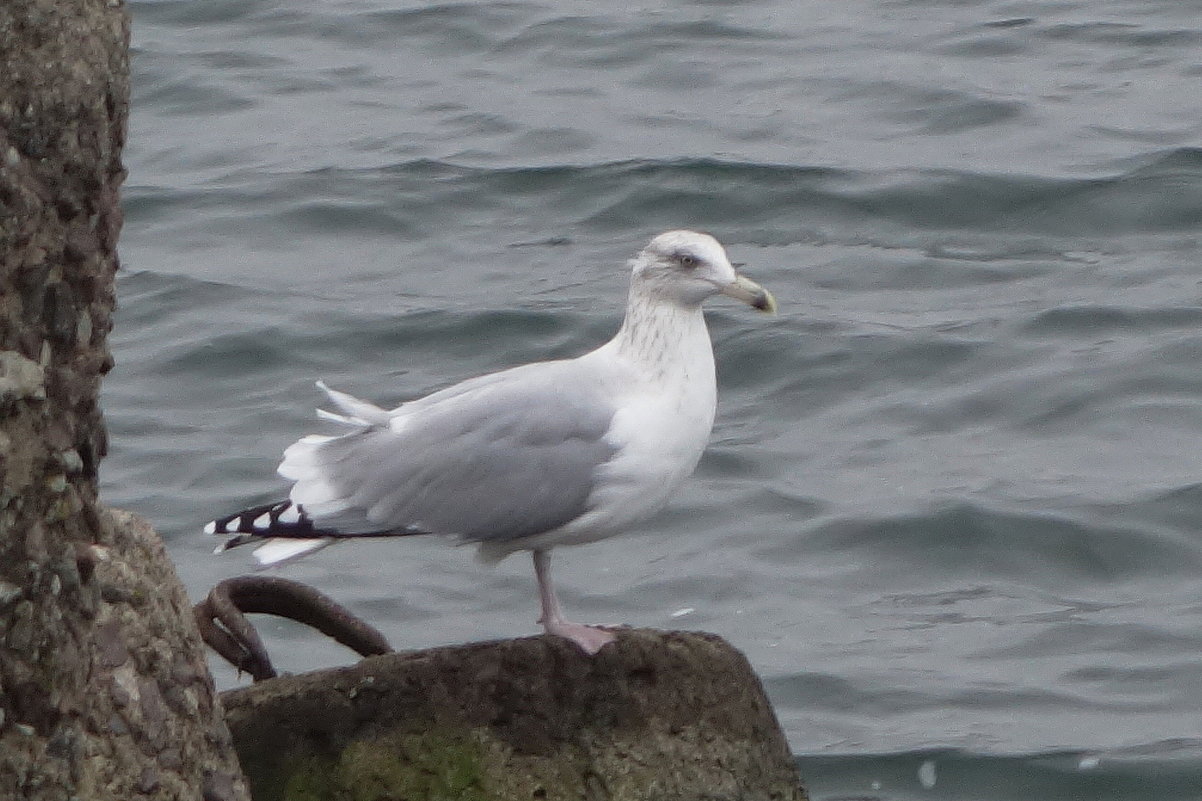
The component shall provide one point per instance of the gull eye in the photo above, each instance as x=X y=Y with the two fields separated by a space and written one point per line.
x=687 y=261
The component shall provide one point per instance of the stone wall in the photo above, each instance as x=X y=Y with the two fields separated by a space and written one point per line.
x=104 y=693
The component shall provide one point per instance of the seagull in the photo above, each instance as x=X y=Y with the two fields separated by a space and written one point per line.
x=552 y=453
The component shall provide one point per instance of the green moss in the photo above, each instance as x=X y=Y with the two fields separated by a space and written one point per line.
x=427 y=767
x=313 y=780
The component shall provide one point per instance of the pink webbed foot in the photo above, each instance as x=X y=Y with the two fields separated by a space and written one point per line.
x=590 y=638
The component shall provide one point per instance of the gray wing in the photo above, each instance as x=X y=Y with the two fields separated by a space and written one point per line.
x=504 y=456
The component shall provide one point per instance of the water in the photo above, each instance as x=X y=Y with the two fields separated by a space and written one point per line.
x=952 y=506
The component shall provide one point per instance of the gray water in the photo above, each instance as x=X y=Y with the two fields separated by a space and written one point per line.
x=952 y=508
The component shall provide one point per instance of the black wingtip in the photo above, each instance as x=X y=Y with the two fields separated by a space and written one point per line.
x=279 y=519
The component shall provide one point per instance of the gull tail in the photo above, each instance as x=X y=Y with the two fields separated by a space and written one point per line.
x=356 y=413
x=317 y=514
x=284 y=529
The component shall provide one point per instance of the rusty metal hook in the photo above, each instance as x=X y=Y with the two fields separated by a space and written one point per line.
x=221 y=618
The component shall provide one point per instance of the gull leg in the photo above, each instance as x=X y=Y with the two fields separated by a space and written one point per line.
x=589 y=638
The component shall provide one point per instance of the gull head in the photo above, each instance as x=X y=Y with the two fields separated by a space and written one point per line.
x=686 y=267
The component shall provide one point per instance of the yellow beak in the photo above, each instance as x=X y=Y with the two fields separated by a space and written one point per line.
x=751 y=293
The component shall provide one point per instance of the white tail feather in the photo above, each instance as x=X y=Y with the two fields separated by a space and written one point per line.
x=278 y=551
x=317 y=497
x=358 y=412
x=341 y=420
x=300 y=458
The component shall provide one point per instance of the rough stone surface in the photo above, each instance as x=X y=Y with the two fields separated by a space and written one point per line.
x=103 y=689
x=666 y=716
x=161 y=728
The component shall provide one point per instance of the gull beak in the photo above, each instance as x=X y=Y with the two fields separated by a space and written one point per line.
x=751 y=293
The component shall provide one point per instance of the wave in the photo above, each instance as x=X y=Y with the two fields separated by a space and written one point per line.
x=1165 y=771
x=961 y=540
x=767 y=204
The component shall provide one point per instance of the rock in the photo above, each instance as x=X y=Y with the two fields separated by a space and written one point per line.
x=20 y=378
x=147 y=649
x=659 y=715
x=92 y=616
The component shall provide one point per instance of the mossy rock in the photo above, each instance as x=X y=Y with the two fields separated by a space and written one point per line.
x=666 y=716
x=399 y=766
